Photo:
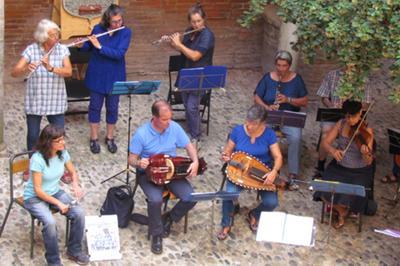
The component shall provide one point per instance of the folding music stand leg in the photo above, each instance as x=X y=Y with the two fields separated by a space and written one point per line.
x=330 y=216
x=127 y=170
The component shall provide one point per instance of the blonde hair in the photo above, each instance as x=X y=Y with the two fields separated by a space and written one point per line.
x=41 y=33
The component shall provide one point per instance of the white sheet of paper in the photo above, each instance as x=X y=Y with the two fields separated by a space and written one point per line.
x=298 y=230
x=271 y=226
x=285 y=228
x=103 y=237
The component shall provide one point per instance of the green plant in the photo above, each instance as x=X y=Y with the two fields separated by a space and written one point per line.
x=356 y=33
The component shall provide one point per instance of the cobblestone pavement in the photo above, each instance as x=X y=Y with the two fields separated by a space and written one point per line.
x=199 y=245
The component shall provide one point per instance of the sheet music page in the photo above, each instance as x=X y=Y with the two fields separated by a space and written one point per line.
x=271 y=226
x=298 y=230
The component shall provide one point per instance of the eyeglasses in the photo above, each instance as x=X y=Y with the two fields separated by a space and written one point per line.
x=59 y=140
x=54 y=35
x=115 y=22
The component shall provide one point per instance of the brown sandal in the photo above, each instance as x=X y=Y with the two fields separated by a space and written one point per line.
x=223 y=234
x=253 y=225
x=341 y=219
x=340 y=223
x=387 y=179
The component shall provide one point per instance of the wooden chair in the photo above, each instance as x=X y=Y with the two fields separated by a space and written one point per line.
x=18 y=164
x=176 y=63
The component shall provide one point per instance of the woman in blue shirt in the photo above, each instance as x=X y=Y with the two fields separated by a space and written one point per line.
x=106 y=66
x=283 y=89
x=198 y=50
x=258 y=140
x=42 y=191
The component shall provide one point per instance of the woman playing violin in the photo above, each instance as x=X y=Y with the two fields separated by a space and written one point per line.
x=256 y=139
x=353 y=160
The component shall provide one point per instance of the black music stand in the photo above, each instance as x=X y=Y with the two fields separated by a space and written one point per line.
x=286 y=118
x=201 y=79
x=128 y=88
x=394 y=148
x=333 y=188
x=328 y=115
x=204 y=196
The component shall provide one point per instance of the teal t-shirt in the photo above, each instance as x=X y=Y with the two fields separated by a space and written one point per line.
x=51 y=174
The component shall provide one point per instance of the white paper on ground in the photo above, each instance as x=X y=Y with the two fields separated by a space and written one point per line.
x=103 y=237
x=285 y=228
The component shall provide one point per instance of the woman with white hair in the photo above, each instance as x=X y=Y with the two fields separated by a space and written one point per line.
x=48 y=62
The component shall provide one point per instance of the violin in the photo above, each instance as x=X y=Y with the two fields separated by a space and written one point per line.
x=163 y=168
x=359 y=133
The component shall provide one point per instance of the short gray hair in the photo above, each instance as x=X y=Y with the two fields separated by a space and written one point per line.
x=41 y=33
x=257 y=112
x=284 y=55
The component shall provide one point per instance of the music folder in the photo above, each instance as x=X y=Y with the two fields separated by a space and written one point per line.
x=286 y=228
x=286 y=118
x=201 y=78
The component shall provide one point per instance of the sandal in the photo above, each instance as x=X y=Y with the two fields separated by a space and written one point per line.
x=253 y=224
x=340 y=223
x=111 y=146
x=387 y=179
x=94 y=146
x=223 y=234
x=341 y=220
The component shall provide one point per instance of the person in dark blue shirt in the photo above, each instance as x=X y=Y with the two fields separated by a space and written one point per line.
x=198 y=50
x=283 y=89
x=258 y=140
x=106 y=66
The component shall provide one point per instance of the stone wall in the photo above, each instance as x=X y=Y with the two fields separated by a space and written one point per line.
x=235 y=47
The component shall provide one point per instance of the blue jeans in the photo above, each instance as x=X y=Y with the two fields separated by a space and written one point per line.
x=33 y=124
x=269 y=201
x=96 y=104
x=293 y=136
x=191 y=101
x=40 y=209
x=182 y=190
x=396 y=170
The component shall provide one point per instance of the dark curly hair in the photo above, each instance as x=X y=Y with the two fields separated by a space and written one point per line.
x=111 y=11
x=351 y=107
x=48 y=134
x=196 y=9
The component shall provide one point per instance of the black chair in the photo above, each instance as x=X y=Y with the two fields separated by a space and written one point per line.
x=167 y=195
x=75 y=86
x=176 y=63
x=369 y=195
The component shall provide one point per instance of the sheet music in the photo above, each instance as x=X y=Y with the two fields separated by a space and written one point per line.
x=103 y=237
x=285 y=228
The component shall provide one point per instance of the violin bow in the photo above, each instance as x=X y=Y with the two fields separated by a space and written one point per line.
x=358 y=127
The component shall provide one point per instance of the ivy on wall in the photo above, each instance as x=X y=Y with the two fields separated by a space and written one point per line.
x=356 y=33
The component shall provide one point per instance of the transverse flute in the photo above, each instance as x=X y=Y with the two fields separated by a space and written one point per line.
x=185 y=33
x=72 y=44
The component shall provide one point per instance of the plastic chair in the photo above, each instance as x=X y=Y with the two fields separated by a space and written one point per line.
x=18 y=164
